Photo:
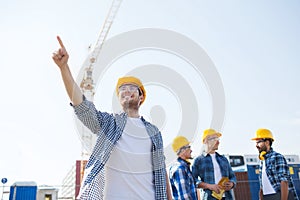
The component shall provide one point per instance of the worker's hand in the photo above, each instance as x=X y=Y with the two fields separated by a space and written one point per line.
x=228 y=185
x=61 y=56
x=215 y=187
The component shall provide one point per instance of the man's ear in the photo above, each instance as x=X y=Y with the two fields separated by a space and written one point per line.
x=268 y=141
x=141 y=97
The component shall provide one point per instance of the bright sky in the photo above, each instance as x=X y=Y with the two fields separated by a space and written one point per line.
x=254 y=46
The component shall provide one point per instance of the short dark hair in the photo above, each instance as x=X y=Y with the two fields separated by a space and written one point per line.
x=270 y=141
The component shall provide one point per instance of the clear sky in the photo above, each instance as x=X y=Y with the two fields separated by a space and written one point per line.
x=254 y=45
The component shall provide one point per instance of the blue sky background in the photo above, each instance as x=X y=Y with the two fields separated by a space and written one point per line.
x=254 y=45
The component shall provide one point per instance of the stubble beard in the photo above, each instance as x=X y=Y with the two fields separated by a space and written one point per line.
x=131 y=104
x=262 y=148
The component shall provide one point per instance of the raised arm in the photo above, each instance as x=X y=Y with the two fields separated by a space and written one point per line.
x=60 y=58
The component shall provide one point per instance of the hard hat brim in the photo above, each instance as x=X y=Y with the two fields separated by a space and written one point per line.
x=262 y=138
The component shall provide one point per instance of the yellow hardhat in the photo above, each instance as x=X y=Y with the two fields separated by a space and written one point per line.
x=209 y=132
x=131 y=80
x=179 y=142
x=263 y=134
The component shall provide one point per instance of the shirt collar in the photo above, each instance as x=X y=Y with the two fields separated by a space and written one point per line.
x=269 y=152
x=183 y=161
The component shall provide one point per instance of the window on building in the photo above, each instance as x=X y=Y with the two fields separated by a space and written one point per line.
x=252 y=160
x=236 y=161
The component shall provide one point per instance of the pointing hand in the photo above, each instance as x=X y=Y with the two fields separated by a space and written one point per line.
x=61 y=56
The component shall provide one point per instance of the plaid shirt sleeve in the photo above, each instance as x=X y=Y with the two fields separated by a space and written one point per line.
x=282 y=167
x=196 y=171
x=277 y=169
x=94 y=120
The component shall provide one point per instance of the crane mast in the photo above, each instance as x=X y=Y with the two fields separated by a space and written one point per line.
x=87 y=83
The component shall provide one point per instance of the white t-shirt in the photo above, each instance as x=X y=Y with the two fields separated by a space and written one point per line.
x=217 y=170
x=128 y=172
x=266 y=184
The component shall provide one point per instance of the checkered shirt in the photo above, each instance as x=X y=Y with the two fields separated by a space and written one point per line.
x=109 y=128
x=277 y=170
x=182 y=181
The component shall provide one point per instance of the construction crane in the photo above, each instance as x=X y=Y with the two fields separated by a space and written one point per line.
x=87 y=84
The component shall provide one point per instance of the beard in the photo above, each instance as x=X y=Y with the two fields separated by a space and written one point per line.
x=130 y=102
x=263 y=148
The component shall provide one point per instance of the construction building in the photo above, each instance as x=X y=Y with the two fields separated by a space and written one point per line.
x=71 y=183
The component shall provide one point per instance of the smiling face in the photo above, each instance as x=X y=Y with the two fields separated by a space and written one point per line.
x=129 y=84
x=129 y=96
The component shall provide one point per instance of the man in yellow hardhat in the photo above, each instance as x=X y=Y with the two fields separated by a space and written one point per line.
x=127 y=161
x=275 y=179
x=212 y=171
x=181 y=178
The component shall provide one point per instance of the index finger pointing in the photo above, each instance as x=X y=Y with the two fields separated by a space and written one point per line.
x=60 y=42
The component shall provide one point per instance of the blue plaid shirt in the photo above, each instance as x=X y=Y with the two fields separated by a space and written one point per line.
x=182 y=181
x=109 y=128
x=277 y=170
x=203 y=171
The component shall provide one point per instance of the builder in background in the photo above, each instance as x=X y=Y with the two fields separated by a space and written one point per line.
x=212 y=171
x=275 y=180
x=181 y=178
